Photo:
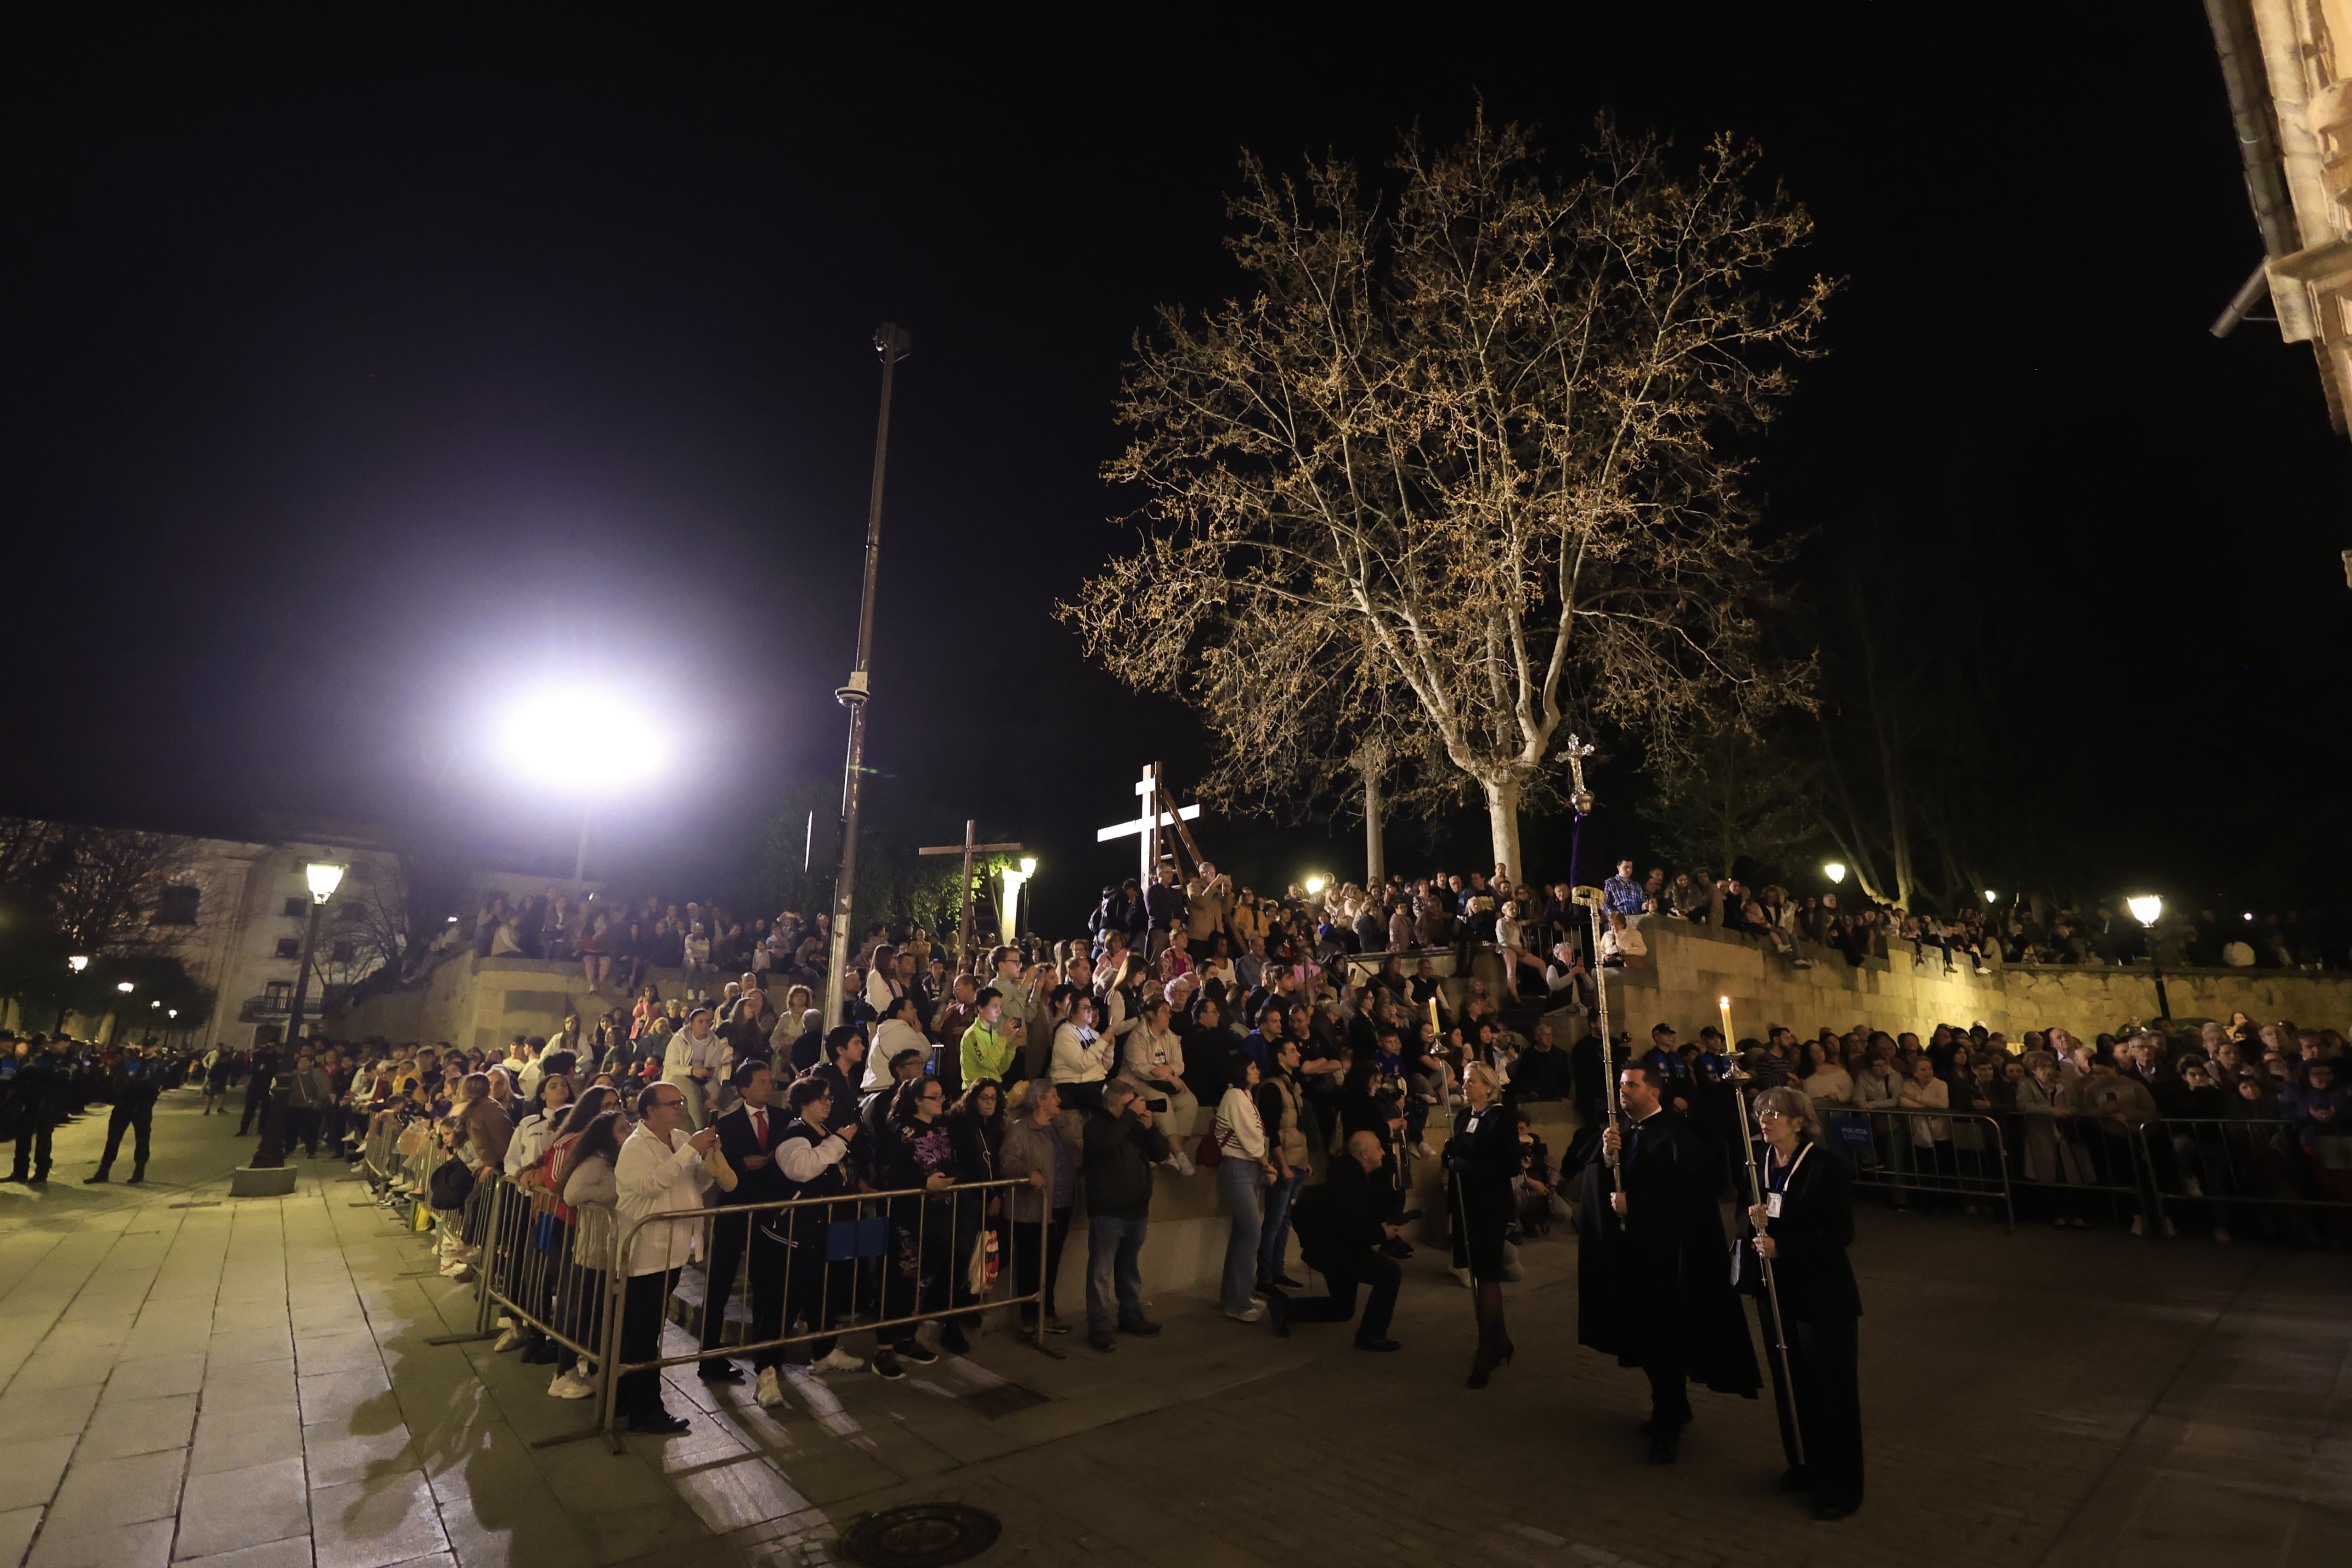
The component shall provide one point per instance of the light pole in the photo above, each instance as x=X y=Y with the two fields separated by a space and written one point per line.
x=892 y=343
x=2147 y=908
x=325 y=878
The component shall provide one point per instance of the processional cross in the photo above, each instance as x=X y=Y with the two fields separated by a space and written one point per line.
x=1160 y=811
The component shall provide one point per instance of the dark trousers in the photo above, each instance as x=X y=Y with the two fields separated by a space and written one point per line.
x=140 y=1120
x=814 y=1292
x=640 y=1392
x=257 y=1095
x=1025 y=1260
x=33 y=1148
x=302 y=1127
x=729 y=1237
x=1341 y=1278
x=1822 y=1354
x=1666 y=1361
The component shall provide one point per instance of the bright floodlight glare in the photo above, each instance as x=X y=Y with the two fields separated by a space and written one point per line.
x=325 y=878
x=1029 y=865
x=1834 y=870
x=125 y=986
x=545 y=733
x=1990 y=897
x=2146 y=908
x=2250 y=914
x=1314 y=886
x=80 y=961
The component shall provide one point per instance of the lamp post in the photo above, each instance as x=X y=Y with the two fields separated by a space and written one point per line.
x=1010 y=879
x=325 y=878
x=2147 y=908
x=893 y=343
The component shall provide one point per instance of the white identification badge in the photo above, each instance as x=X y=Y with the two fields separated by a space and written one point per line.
x=1772 y=1206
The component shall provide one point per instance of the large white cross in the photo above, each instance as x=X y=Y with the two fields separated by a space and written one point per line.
x=1146 y=827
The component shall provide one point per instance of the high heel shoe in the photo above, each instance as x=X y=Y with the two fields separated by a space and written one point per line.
x=1479 y=1371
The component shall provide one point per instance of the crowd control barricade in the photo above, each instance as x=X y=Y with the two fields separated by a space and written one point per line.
x=2254 y=1178
x=1968 y=1165
x=881 y=1261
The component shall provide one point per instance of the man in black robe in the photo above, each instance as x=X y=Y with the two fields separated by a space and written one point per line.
x=1654 y=1277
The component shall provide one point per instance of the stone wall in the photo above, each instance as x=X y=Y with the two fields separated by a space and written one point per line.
x=1690 y=966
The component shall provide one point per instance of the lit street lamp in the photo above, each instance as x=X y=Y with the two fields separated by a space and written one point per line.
x=1011 y=880
x=543 y=735
x=323 y=877
x=2147 y=908
x=1835 y=872
x=80 y=961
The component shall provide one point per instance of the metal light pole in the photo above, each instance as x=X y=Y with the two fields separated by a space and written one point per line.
x=324 y=879
x=893 y=344
x=2147 y=910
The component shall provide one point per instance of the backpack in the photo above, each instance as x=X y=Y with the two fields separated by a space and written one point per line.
x=452 y=1184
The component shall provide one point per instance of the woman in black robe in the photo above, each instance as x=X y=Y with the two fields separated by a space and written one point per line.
x=1480 y=1158
x=1806 y=1222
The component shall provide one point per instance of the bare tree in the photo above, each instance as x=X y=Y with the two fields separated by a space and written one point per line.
x=106 y=884
x=1467 y=446
x=1732 y=793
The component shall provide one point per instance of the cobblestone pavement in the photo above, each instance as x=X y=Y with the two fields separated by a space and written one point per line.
x=249 y=1386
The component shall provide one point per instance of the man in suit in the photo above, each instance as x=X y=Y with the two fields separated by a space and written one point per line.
x=747 y=1134
x=1341 y=1234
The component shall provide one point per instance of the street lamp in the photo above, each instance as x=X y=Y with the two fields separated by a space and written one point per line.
x=1991 y=896
x=892 y=343
x=1008 y=905
x=1835 y=872
x=125 y=986
x=80 y=961
x=323 y=877
x=2147 y=908
x=542 y=736
x=1315 y=886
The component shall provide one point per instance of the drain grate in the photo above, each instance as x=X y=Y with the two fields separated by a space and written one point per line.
x=923 y=1535
x=1001 y=1399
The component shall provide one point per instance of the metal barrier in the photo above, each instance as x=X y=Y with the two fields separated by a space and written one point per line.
x=544 y=1272
x=867 y=1260
x=1881 y=1148
x=2251 y=1175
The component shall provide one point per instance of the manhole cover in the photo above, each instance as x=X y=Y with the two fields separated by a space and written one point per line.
x=922 y=1536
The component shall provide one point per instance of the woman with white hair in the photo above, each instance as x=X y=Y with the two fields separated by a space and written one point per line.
x=1803 y=1228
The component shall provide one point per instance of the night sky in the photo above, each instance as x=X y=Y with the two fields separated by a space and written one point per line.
x=362 y=376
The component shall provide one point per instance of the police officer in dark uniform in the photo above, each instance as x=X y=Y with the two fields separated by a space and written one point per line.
x=33 y=1087
x=133 y=1086
x=262 y=1074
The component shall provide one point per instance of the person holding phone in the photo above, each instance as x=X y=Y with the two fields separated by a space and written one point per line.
x=660 y=1172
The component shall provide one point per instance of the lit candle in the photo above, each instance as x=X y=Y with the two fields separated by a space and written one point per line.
x=1725 y=1003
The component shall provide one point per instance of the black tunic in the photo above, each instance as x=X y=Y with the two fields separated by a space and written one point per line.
x=1480 y=1160
x=1657 y=1277
x=1819 y=1389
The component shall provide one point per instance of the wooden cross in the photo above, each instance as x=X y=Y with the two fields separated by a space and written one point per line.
x=1160 y=811
x=968 y=850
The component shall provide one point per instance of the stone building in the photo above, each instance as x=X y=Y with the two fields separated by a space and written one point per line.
x=2288 y=67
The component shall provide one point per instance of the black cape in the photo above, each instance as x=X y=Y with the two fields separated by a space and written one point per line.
x=1669 y=1273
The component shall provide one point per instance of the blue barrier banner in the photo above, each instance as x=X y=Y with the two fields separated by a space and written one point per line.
x=845 y=1239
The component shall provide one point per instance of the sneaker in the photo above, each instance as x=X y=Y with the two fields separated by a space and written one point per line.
x=838 y=1360
x=661 y=1424
x=1251 y=1316
x=1100 y=1340
x=1183 y=1162
x=570 y=1385
x=915 y=1351
x=887 y=1367
x=769 y=1394
x=506 y=1341
x=453 y=1268
x=2138 y=1226
x=1421 y=1152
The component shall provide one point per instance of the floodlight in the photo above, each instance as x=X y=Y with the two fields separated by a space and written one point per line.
x=1834 y=870
x=580 y=739
x=2146 y=908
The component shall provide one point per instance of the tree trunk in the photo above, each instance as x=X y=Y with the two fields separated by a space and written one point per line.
x=1503 y=826
x=1376 y=865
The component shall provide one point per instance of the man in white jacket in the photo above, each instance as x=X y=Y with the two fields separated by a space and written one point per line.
x=658 y=1173
x=697 y=1061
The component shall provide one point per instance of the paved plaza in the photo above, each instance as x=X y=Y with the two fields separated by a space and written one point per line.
x=187 y=1380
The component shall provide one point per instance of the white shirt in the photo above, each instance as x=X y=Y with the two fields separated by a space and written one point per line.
x=654 y=1178
x=896 y=1035
x=881 y=990
x=530 y=1141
